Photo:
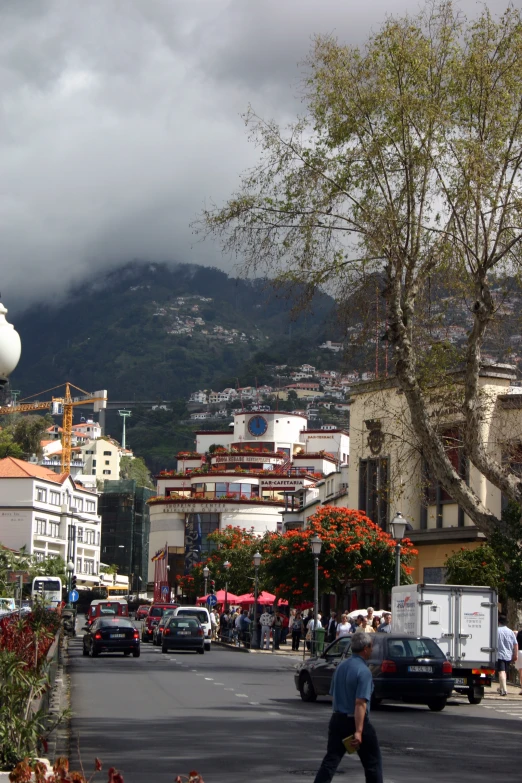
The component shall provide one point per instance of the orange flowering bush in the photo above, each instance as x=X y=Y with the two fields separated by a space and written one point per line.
x=354 y=548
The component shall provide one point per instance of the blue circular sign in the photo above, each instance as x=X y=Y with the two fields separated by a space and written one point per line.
x=73 y=596
x=211 y=600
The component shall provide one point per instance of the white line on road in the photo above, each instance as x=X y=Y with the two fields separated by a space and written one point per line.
x=241 y=695
x=209 y=678
x=219 y=683
x=254 y=703
x=229 y=689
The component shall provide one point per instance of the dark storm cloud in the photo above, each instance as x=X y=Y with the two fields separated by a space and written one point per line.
x=120 y=118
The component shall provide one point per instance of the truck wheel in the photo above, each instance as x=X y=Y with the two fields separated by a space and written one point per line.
x=474 y=697
x=306 y=689
x=164 y=649
x=437 y=705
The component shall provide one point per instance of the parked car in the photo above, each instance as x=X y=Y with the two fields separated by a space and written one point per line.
x=7 y=605
x=183 y=633
x=158 y=629
x=141 y=612
x=111 y=634
x=404 y=668
x=202 y=615
x=152 y=619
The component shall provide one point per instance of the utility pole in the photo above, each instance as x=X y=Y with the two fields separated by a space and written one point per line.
x=124 y=414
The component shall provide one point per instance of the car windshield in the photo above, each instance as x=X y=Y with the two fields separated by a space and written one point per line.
x=120 y=621
x=337 y=649
x=414 y=648
x=201 y=616
x=183 y=623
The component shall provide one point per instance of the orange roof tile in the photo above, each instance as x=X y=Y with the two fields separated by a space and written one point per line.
x=10 y=467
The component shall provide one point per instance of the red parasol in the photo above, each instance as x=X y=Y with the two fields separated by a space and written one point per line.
x=262 y=598
x=220 y=596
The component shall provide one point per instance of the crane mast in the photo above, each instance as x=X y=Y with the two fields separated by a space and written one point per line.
x=64 y=405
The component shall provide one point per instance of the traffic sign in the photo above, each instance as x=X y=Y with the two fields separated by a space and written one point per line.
x=14 y=576
x=73 y=596
x=211 y=600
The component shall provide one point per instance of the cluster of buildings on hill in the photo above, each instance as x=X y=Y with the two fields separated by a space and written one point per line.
x=184 y=317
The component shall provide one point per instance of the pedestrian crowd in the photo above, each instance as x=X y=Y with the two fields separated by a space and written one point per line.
x=236 y=626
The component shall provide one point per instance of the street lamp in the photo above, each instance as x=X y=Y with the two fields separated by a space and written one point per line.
x=226 y=565
x=257 y=563
x=206 y=574
x=316 y=544
x=398 y=526
x=70 y=572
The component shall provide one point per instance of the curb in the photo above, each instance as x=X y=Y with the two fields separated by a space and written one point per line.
x=230 y=647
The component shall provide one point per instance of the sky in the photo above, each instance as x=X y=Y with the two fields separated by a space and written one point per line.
x=121 y=119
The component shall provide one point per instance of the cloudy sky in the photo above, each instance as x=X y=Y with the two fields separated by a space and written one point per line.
x=120 y=119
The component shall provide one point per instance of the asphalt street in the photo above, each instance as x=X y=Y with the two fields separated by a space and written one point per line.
x=237 y=717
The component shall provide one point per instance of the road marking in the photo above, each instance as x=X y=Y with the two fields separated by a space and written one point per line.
x=193 y=670
x=254 y=703
x=210 y=679
x=274 y=713
x=241 y=695
x=229 y=689
x=219 y=683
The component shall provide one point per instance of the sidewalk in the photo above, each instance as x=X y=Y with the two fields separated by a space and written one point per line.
x=284 y=650
x=512 y=693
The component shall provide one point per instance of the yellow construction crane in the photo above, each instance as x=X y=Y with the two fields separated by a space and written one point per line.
x=61 y=405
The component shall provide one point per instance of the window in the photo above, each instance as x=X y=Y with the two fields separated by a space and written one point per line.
x=107 y=462
x=41 y=526
x=78 y=565
x=98 y=538
x=373 y=490
x=88 y=566
x=54 y=529
x=91 y=505
x=106 y=472
x=79 y=504
x=435 y=494
x=54 y=498
x=89 y=451
x=107 y=454
x=79 y=534
x=41 y=494
x=94 y=463
x=40 y=556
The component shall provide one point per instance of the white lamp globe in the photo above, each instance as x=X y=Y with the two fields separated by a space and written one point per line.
x=10 y=346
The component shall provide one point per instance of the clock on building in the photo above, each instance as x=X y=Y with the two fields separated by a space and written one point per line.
x=257 y=425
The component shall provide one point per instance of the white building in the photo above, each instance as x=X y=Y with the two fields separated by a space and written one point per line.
x=244 y=476
x=50 y=515
x=101 y=458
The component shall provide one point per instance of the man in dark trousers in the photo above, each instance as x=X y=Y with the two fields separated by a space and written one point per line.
x=351 y=689
x=331 y=631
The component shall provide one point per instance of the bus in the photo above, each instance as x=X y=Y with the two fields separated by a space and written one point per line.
x=47 y=589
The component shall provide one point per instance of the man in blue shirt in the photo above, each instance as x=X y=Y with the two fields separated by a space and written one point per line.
x=351 y=689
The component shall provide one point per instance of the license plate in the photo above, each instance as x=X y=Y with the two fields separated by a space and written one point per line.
x=183 y=633
x=421 y=669
x=461 y=681
x=117 y=636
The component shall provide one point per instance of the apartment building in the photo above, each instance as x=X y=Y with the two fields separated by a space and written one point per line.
x=51 y=516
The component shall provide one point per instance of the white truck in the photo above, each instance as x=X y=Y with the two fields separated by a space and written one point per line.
x=462 y=619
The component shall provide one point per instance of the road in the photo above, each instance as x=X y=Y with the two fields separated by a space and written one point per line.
x=236 y=717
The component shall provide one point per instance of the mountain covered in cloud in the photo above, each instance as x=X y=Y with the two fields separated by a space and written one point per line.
x=158 y=331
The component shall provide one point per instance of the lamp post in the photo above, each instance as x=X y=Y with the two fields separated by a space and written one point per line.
x=70 y=572
x=316 y=544
x=226 y=565
x=398 y=528
x=206 y=574
x=257 y=563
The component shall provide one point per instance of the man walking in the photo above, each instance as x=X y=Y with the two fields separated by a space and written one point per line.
x=277 y=627
x=331 y=631
x=266 y=621
x=507 y=652
x=351 y=689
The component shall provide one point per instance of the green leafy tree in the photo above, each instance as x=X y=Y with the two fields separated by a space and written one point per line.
x=28 y=432
x=8 y=446
x=134 y=468
x=405 y=171
x=479 y=566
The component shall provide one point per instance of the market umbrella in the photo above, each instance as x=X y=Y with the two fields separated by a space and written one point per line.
x=262 y=598
x=220 y=598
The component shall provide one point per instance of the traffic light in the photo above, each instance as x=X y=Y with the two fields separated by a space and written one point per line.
x=212 y=586
x=74 y=580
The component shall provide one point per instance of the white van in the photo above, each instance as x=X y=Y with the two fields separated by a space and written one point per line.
x=202 y=615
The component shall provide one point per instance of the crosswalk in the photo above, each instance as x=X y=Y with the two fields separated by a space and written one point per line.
x=512 y=709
